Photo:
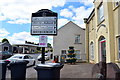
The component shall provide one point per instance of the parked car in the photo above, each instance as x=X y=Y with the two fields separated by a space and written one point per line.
x=22 y=57
x=39 y=58
x=5 y=54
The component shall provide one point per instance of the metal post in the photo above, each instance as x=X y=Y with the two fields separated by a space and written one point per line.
x=43 y=55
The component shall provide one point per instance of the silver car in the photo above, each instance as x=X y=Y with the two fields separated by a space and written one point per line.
x=40 y=57
x=22 y=57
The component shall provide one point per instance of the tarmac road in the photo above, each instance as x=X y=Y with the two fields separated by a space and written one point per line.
x=78 y=70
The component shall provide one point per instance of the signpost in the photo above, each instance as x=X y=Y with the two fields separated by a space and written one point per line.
x=43 y=23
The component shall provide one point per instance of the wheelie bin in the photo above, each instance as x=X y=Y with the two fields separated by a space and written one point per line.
x=3 y=67
x=18 y=69
x=48 y=71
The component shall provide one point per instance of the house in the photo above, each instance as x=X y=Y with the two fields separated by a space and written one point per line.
x=24 y=48
x=70 y=35
x=103 y=32
x=5 y=46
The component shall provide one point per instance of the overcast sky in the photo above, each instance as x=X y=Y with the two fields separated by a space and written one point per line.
x=15 y=16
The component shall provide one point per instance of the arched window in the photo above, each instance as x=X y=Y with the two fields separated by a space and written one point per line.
x=92 y=51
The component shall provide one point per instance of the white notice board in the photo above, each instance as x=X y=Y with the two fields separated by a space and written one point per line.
x=43 y=40
x=44 y=26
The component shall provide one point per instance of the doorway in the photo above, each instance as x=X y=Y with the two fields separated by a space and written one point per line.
x=102 y=49
x=6 y=48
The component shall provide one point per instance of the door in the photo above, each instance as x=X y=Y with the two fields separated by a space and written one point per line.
x=103 y=50
x=63 y=56
x=30 y=59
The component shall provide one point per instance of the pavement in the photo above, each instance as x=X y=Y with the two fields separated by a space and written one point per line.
x=78 y=70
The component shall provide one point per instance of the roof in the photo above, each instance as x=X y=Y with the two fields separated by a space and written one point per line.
x=73 y=23
x=20 y=54
x=32 y=45
x=3 y=43
x=90 y=16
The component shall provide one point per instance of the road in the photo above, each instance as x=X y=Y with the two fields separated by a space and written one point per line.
x=79 y=70
x=30 y=72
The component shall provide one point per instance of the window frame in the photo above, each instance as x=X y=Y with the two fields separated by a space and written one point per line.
x=63 y=52
x=116 y=4
x=92 y=51
x=100 y=13
x=5 y=48
x=77 y=39
x=26 y=57
x=78 y=54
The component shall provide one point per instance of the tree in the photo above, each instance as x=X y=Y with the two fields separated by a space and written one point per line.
x=5 y=40
x=49 y=45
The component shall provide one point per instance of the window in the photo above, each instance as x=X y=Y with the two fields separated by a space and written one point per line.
x=26 y=57
x=63 y=51
x=6 y=48
x=92 y=51
x=100 y=13
x=116 y=3
x=78 y=56
x=119 y=46
x=77 y=39
x=63 y=54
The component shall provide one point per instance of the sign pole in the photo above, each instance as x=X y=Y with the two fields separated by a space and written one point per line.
x=43 y=55
x=43 y=44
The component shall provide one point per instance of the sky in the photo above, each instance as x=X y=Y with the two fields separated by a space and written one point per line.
x=15 y=16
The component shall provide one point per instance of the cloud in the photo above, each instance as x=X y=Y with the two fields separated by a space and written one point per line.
x=20 y=38
x=57 y=3
x=20 y=10
x=81 y=13
x=66 y=13
x=75 y=14
x=62 y=22
x=87 y=2
x=20 y=21
x=3 y=32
